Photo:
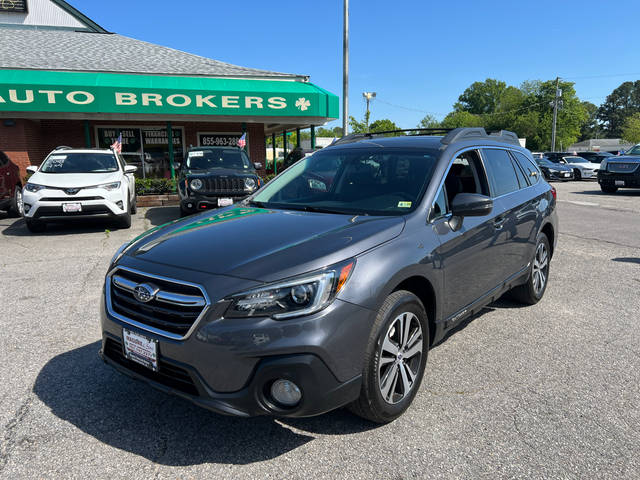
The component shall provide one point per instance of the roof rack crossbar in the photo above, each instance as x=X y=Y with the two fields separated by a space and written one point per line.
x=355 y=137
x=474 y=133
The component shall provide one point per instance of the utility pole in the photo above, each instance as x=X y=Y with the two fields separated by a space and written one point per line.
x=345 y=70
x=555 y=103
x=368 y=96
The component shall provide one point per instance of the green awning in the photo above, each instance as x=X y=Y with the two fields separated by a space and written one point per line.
x=80 y=92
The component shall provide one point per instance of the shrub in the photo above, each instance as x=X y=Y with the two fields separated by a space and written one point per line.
x=155 y=186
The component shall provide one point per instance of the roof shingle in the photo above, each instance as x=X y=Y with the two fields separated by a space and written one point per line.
x=60 y=50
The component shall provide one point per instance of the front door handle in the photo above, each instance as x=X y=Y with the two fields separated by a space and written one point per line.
x=498 y=223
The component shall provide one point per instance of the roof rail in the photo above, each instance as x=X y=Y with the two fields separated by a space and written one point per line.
x=355 y=137
x=63 y=147
x=474 y=133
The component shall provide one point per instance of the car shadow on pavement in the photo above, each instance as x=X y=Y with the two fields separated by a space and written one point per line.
x=131 y=416
x=627 y=192
x=161 y=215
x=627 y=260
x=16 y=227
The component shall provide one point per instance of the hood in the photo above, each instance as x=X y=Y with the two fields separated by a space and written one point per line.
x=69 y=180
x=218 y=172
x=262 y=244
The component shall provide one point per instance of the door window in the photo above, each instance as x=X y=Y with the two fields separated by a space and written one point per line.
x=501 y=171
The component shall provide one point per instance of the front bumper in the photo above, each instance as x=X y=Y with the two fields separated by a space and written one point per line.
x=228 y=365
x=48 y=203
x=609 y=179
x=198 y=202
x=560 y=176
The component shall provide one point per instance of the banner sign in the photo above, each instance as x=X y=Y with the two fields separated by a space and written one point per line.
x=134 y=94
x=19 y=6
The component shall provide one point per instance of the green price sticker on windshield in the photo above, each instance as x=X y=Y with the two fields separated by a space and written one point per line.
x=404 y=204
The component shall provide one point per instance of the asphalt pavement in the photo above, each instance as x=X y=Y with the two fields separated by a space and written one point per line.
x=549 y=391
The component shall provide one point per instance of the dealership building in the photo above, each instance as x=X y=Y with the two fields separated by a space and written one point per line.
x=65 y=80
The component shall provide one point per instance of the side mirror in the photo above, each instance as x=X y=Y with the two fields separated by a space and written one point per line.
x=130 y=169
x=32 y=169
x=471 y=205
x=257 y=165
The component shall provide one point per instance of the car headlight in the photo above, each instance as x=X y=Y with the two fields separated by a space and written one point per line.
x=196 y=184
x=603 y=165
x=32 y=187
x=110 y=186
x=301 y=295
x=249 y=184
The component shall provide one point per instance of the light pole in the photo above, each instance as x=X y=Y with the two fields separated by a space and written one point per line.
x=556 y=101
x=368 y=96
x=345 y=70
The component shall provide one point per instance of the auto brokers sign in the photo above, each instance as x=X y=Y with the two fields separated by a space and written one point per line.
x=212 y=97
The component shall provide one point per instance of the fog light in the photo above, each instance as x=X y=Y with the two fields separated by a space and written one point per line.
x=189 y=205
x=27 y=207
x=120 y=205
x=286 y=392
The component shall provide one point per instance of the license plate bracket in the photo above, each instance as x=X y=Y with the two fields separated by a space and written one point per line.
x=619 y=183
x=140 y=349
x=71 y=207
x=225 y=202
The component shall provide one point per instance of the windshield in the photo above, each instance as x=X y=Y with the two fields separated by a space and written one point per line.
x=354 y=181
x=633 y=151
x=80 y=163
x=217 y=158
x=545 y=162
x=575 y=160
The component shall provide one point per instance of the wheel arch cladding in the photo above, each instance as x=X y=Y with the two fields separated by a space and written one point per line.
x=547 y=229
x=422 y=288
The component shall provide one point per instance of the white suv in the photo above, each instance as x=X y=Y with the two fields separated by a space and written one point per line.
x=79 y=183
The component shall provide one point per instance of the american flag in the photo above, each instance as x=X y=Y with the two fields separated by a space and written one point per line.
x=242 y=141
x=117 y=145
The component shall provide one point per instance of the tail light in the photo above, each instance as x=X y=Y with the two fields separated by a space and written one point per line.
x=554 y=193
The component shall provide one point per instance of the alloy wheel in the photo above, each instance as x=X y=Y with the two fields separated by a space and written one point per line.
x=19 y=202
x=540 y=268
x=400 y=357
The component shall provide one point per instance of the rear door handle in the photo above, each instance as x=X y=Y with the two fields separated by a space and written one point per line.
x=498 y=223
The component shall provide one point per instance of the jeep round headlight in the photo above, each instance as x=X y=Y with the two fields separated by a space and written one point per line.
x=196 y=184
x=249 y=184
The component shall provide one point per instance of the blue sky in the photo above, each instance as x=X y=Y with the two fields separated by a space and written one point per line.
x=418 y=55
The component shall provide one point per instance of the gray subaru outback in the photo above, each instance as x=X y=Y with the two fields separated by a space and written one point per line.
x=328 y=286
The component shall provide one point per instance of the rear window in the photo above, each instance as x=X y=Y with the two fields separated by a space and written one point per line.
x=89 y=162
x=502 y=174
x=530 y=170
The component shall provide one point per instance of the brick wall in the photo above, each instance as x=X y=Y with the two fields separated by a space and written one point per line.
x=29 y=141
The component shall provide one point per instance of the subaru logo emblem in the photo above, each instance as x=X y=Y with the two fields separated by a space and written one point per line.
x=145 y=293
x=71 y=191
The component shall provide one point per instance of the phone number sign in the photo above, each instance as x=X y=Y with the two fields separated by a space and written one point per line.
x=218 y=139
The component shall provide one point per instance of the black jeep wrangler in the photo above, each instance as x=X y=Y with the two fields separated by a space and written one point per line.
x=213 y=177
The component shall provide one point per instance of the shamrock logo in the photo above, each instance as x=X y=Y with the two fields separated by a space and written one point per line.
x=303 y=104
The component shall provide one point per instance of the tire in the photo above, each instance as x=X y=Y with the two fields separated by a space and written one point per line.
x=608 y=189
x=134 y=204
x=16 y=209
x=576 y=174
x=35 y=226
x=124 y=220
x=183 y=212
x=387 y=390
x=532 y=291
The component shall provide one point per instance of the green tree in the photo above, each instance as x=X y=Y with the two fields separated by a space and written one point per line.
x=457 y=119
x=357 y=127
x=591 y=128
x=383 y=125
x=623 y=102
x=429 y=121
x=631 y=129
x=329 y=132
